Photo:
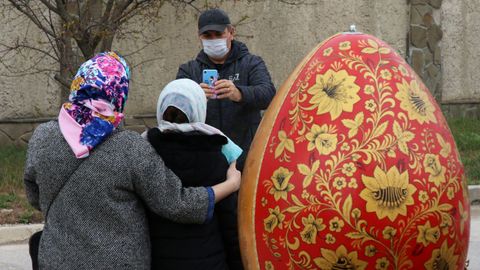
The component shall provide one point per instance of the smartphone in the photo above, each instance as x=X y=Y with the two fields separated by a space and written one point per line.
x=210 y=76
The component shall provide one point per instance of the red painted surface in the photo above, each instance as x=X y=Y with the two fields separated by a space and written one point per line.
x=360 y=169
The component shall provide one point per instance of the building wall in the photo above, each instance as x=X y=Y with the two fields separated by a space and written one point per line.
x=280 y=33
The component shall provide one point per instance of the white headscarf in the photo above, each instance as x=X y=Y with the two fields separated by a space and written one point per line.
x=187 y=96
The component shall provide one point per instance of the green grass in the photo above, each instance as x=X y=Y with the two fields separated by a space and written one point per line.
x=12 y=160
x=12 y=193
x=467 y=136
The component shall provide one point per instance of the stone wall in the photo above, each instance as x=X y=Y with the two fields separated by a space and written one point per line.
x=424 y=51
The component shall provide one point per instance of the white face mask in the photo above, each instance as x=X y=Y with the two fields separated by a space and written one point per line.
x=215 y=48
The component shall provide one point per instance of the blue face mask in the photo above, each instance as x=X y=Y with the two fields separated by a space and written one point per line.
x=215 y=48
x=231 y=151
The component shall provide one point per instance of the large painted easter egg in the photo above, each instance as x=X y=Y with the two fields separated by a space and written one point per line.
x=354 y=167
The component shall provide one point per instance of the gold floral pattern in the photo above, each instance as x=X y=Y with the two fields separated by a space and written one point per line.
x=356 y=179
x=312 y=227
x=435 y=169
x=281 y=185
x=285 y=143
x=382 y=264
x=322 y=138
x=388 y=193
x=334 y=92
x=415 y=102
x=443 y=258
x=274 y=220
x=340 y=259
x=427 y=234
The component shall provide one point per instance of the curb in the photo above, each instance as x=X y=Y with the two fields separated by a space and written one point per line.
x=474 y=194
x=17 y=233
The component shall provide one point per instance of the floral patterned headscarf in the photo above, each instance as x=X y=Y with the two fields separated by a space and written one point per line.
x=96 y=102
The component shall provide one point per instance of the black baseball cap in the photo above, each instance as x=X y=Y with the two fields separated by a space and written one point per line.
x=213 y=20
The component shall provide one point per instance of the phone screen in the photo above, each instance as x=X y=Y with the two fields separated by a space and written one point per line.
x=210 y=76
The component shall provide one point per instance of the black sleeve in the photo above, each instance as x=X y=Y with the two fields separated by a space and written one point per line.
x=260 y=91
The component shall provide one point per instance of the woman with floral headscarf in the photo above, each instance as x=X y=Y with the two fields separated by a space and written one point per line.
x=91 y=179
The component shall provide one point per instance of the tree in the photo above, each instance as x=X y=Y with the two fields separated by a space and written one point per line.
x=76 y=30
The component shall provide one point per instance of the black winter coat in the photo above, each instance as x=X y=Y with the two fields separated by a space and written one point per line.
x=238 y=120
x=198 y=161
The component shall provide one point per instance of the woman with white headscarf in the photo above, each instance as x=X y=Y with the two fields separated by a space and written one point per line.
x=200 y=155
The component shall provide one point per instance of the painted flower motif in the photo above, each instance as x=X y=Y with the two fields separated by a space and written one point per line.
x=308 y=172
x=95 y=132
x=370 y=105
x=388 y=193
x=336 y=224
x=330 y=239
x=312 y=227
x=403 y=70
x=386 y=74
x=322 y=138
x=370 y=251
x=269 y=265
x=339 y=259
x=343 y=46
x=432 y=166
x=281 y=185
x=264 y=201
x=442 y=258
x=345 y=147
x=450 y=193
x=382 y=264
x=327 y=51
x=369 y=89
x=415 y=102
x=349 y=169
x=356 y=213
x=339 y=183
x=334 y=92
x=427 y=234
x=285 y=143
x=423 y=196
x=446 y=223
x=389 y=232
x=274 y=220
x=353 y=183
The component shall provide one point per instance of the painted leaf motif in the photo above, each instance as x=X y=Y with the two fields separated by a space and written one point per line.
x=353 y=125
x=347 y=206
x=446 y=147
x=285 y=143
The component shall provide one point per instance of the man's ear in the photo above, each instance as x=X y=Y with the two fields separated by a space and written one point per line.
x=232 y=30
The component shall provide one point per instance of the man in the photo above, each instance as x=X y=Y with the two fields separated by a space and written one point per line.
x=244 y=86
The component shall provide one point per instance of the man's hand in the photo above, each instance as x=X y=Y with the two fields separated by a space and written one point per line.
x=226 y=89
x=209 y=93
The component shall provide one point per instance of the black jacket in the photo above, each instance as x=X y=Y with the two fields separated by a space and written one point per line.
x=239 y=121
x=198 y=161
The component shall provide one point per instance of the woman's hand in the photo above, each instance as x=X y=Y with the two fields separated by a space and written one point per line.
x=234 y=175
x=230 y=185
